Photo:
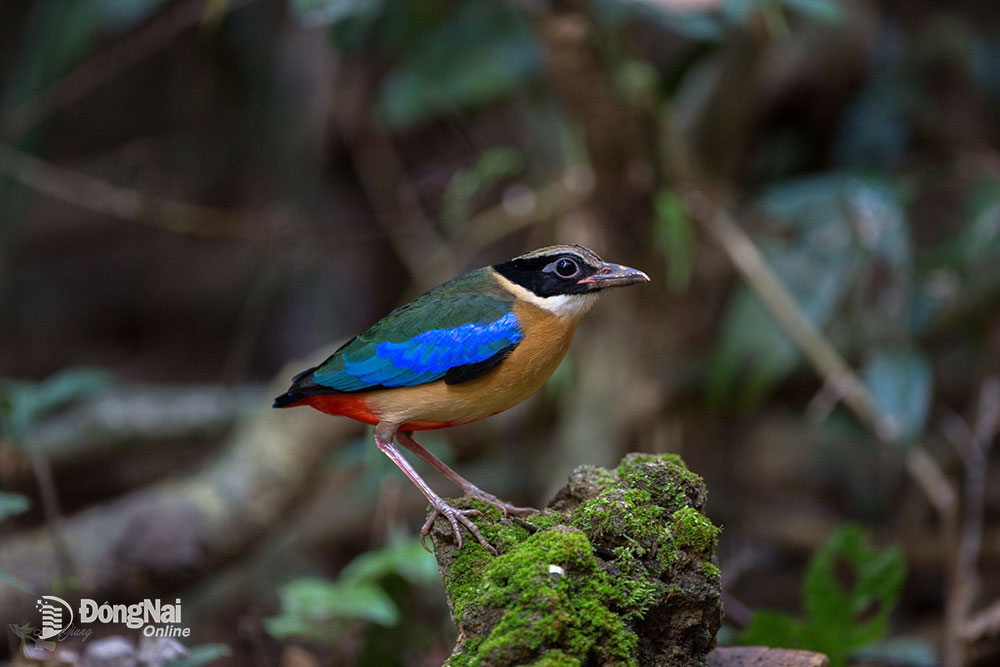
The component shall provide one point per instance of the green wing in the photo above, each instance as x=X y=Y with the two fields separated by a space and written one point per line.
x=451 y=332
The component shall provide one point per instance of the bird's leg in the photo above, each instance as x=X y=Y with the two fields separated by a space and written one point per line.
x=383 y=440
x=469 y=489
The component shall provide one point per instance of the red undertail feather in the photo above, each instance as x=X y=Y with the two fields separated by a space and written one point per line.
x=355 y=407
x=348 y=405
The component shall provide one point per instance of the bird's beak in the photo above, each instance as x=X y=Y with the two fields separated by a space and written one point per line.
x=614 y=275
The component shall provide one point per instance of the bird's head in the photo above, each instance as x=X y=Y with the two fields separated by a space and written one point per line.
x=564 y=279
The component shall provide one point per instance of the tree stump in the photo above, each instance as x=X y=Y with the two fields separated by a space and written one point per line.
x=617 y=570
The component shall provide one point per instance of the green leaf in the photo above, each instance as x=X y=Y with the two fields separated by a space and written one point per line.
x=329 y=12
x=313 y=607
x=480 y=52
x=979 y=237
x=12 y=504
x=675 y=238
x=901 y=383
x=771 y=628
x=847 y=617
x=840 y=616
x=808 y=242
x=751 y=346
x=201 y=655
x=826 y=238
x=694 y=25
x=878 y=220
x=405 y=558
x=753 y=343
x=965 y=267
x=24 y=403
x=827 y=11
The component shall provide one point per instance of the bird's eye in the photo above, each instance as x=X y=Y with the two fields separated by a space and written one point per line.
x=566 y=267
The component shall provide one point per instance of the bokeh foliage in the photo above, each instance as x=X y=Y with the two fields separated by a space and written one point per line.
x=368 y=149
x=849 y=591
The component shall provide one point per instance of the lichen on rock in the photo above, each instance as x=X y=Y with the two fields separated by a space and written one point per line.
x=617 y=571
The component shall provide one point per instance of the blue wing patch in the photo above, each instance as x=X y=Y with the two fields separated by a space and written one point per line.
x=426 y=357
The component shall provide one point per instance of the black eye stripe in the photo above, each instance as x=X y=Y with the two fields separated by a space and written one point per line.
x=542 y=276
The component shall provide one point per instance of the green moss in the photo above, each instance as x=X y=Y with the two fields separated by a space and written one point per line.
x=672 y=486
x=543 y=606
x=548 y=601
x=593 y=516
x=466 y=658
x=600 y=476
x=465 y=576
x=556 y=658
x=545 y=519
x=503 y=535
x=667 y=557
x=628 y=512
x=638 y=595
x=694 y=531
x=635 y=469
x=631 y=462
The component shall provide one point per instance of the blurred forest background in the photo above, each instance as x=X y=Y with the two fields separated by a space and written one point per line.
x=199 y=197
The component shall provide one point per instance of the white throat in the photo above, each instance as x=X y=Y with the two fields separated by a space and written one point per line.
x=563 y=305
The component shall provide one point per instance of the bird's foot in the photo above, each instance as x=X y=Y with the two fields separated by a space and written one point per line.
x=506 y=509
x=454 y=516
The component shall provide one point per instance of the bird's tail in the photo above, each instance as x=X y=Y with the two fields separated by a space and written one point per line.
x=296 y=392
x=302 y=388
x=288 y=400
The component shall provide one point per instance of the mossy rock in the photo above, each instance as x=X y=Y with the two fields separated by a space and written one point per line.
x=617 y=571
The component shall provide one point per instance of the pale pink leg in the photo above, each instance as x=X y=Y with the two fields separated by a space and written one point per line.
x=469 y=490
x=383 y=440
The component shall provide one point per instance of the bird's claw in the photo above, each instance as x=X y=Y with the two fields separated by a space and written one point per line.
x=454 y=516
x=506 y=509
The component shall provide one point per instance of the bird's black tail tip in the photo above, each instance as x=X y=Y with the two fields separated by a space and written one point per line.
x=287 y=400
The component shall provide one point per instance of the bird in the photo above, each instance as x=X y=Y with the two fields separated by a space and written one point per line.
x=469 y=348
